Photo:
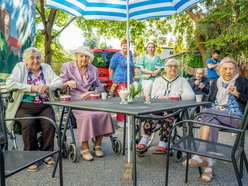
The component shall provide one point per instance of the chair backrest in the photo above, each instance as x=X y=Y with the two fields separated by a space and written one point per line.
x=243 y=126
x=3 y=132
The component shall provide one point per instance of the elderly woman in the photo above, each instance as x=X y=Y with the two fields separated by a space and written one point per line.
x=82 y=78
x=118 y=73
x=165 y=87
x=229 y=97
x=150 y=66
x=35 y=82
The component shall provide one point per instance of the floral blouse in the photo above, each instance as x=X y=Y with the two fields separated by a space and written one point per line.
x=35 y=97
x=119 y=64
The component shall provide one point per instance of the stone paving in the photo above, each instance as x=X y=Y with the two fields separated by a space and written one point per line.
x=108 y=171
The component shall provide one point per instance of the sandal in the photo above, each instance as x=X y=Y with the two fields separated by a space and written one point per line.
x=207 y=174
x=33 y=168
x=49 y=162
x=141 y=147
x=98 y=151
x=196 y=161
x=86 y=155
x=160 y=150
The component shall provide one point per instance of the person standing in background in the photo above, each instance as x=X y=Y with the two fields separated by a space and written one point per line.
x=212 y=63
x=118 y=73
x=150 y=66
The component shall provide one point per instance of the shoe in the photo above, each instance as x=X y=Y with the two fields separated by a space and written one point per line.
x=49 y=162
x=98 y=151
x=33 y=168
x=196 y=161
x=160 y=150
x=86 y=155
x=207 y=174
x=141 y=147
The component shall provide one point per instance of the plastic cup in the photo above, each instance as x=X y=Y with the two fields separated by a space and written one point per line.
x=104 y=95
x=198 y=98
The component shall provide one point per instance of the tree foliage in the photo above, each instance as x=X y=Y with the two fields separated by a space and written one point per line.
x=52 y=23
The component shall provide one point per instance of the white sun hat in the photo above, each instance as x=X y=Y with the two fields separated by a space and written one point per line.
x=84 y=50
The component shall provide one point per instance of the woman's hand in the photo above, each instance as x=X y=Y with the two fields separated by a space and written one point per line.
x=72 y=84
x=85 y=95
x=233 y=90
x=41 y=88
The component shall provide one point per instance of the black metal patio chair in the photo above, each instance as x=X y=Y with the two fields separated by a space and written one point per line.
x=12 y=162
x=233 y=153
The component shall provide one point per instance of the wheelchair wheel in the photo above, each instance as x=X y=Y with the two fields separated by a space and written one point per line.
x=73 y=152
x=65 y=150
x=116 y=145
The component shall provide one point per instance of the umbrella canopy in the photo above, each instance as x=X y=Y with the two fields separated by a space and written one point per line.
x=122 y=10
x=119 y=9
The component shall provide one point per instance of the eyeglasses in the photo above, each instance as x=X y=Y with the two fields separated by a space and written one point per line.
x=170 y=66
x=34 y=57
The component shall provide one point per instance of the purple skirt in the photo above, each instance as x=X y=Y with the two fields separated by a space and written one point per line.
x=91 y=124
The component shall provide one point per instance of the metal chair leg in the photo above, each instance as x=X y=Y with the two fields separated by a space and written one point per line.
x=167 y=167
x=187 y=168
x=235 y=166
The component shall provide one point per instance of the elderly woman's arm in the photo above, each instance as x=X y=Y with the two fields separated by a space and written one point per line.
x=55 y=81
x=16 y=79
x=188 y=93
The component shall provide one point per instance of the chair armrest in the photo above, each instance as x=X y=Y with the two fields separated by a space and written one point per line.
x=36 y=117
x=156 y=117
x=216 y=114
x=189 y=122
x=41 y=117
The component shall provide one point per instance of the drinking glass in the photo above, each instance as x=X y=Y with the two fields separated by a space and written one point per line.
x=147 y=98
x=123 y=93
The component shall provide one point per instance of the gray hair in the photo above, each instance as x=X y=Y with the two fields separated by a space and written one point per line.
x=228 y=60
x=28 y=52
x=171 y=61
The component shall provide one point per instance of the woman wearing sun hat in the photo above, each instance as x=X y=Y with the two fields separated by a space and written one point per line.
x=82 y=78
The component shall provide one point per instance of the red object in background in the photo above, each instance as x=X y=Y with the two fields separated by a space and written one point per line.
x=102 y=59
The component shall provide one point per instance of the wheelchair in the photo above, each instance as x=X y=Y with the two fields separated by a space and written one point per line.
x=177 y=134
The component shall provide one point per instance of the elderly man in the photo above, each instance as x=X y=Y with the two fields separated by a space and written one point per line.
x=199 y=83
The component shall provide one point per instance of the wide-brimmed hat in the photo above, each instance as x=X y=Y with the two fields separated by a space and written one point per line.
x=84 y=50
x=171 y=61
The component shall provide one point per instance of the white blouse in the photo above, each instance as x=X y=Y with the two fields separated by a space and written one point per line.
x=176 y=87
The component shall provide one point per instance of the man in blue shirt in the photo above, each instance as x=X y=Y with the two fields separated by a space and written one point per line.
x=212 y=64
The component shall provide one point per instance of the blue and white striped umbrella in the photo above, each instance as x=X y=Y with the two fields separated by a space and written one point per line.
x=122 y=10
x=118 y=9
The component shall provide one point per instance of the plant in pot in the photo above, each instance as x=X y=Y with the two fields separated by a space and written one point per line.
x=134 y=91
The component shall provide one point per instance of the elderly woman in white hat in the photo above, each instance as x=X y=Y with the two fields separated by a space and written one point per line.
x=229 y=97
x=166 y=87
x=82 y=78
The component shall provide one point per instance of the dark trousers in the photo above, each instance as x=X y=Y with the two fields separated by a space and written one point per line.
x=30 y=128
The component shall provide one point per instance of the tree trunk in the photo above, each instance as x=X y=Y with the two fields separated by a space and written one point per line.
x=48 y=49
x=198 y=36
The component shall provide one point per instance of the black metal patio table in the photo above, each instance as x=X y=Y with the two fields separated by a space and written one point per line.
x=133 y=109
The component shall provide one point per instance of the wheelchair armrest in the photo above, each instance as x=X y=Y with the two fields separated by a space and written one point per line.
x=156 y=117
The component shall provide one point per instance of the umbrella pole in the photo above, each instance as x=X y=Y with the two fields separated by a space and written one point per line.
x=128 y=78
